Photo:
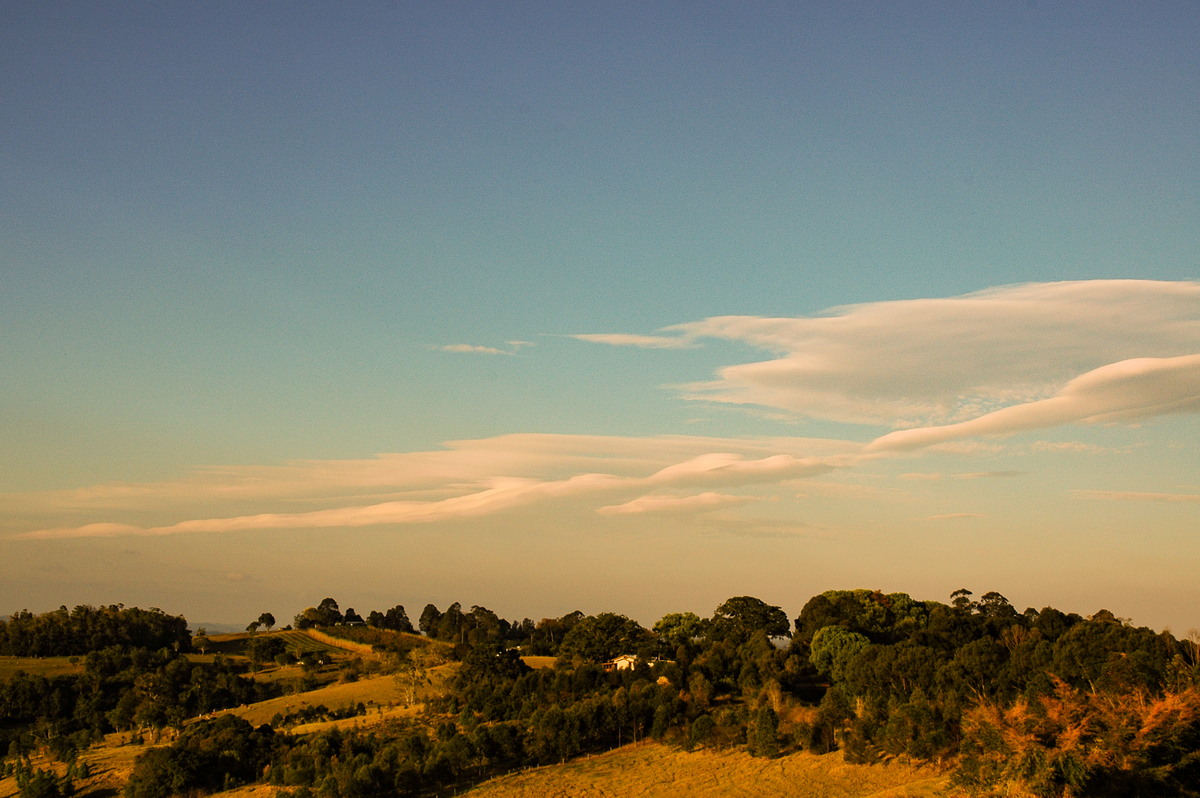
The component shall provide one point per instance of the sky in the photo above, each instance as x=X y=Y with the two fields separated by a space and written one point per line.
x=626 y=307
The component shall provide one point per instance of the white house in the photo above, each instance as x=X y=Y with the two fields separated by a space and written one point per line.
x=624 y=662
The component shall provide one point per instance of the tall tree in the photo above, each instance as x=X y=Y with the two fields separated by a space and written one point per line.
x=428 y=621
x=599 y=638
x=741 y=617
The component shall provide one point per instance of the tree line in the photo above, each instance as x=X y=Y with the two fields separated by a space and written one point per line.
x=1036 y=702
x=64 y=633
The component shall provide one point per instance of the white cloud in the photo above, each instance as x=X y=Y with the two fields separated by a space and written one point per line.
x=470 y=479
x=1124 y=391
x=640 y=341
x=674 y=504
x=472 y=349
x=732 y=469
x=940 y=361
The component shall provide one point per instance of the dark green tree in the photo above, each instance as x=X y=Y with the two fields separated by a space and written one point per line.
x=764 y=736
x=742 y=617
x=599 y=638
x=428 y=622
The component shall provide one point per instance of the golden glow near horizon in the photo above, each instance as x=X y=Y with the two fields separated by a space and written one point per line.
x=609 y=309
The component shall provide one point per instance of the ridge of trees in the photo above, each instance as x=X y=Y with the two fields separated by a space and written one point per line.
x=64 y=633
x=1034 y=702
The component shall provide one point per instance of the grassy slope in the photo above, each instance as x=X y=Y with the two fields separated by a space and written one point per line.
x=647 y=770
x=375 y=692
x=44 y=666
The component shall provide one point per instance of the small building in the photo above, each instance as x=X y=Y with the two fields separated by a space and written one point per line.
x=625 y=662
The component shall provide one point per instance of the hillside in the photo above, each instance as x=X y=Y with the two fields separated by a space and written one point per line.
x=868 y=683
x=648 y=770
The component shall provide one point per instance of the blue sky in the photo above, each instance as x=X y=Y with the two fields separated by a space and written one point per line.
x=631 y=307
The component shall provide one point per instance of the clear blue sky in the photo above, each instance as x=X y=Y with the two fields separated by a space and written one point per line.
x=409 y=302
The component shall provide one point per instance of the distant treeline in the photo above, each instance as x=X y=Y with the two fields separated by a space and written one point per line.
x=1034 y=702
x=64 y=633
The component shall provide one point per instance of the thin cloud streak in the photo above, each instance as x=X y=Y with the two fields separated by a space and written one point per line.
x=471 y=473
x=949 y=517
x=472 y=349
x=639 y=341
x=662 y=504
x=1134 y=496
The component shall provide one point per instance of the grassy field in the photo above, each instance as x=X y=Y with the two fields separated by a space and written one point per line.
x=110 y=763
x=377 y=693
x=539 y=662
x=298 y=642
x=43 y=666
x=649 y=770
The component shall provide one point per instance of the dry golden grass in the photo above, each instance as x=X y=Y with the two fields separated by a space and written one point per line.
x=110 y=764
x=648 y=770
x=43 y=666
x=375 y=692
x=538 y=663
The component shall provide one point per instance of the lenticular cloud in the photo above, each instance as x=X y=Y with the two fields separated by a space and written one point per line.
x=944 y=362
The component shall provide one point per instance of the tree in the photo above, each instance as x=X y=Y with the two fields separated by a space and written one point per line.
x=832 y=649
x=265 y=649
x=428 y=621
x=267 y=620
x=742 y=617
x=328 y=613
x=395 y=619
x=764 y=740
x=201 y=640
x=678 y=629
x=599 y=638
x=42 y=784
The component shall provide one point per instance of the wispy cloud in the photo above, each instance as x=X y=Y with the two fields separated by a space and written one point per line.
x=1131 y=496
x=732 y=469
x=473 y=349
x=1128 y=390
x=640 y=341
x=470 y=479
x=1021 y=357
x=476 y=349
x=675 y=504
x=989 y=475
x=949 y=517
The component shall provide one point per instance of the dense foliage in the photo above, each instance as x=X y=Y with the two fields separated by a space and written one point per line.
x=209 y=756
x=1036 y=703
x=120 y=689
x=64 y=633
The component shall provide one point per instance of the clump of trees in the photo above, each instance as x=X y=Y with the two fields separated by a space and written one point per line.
x=120 y=689
x=64 y=633
x=209 y=756
x=327 y=613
